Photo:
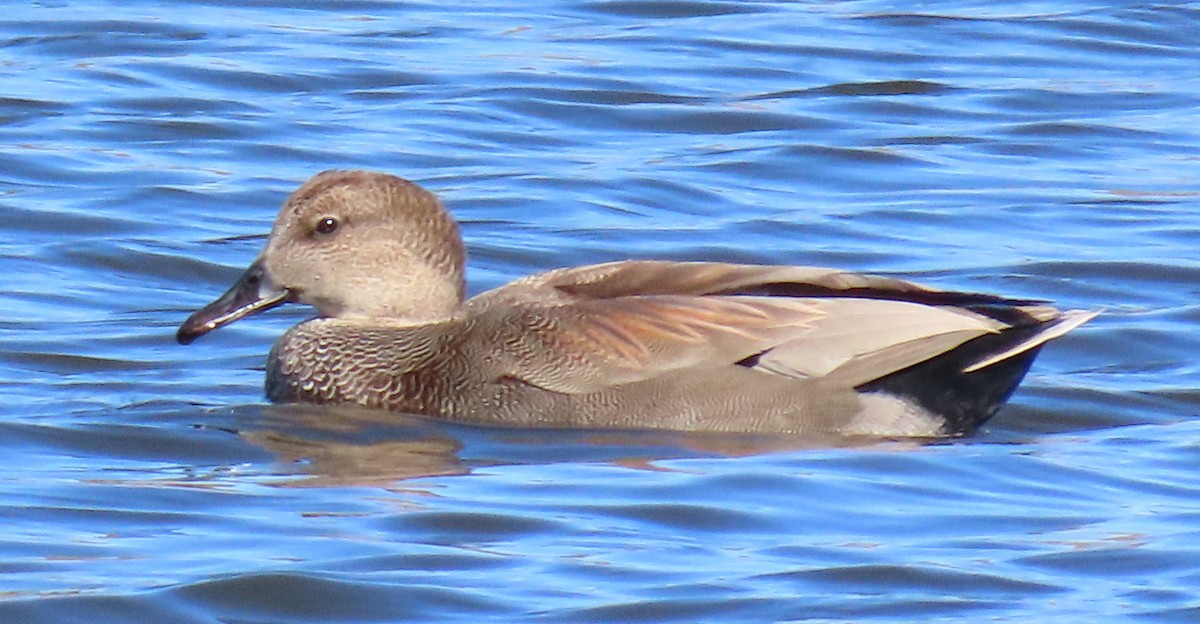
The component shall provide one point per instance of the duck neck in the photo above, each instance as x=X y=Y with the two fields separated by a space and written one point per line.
x=369 y=362
x=418 y=296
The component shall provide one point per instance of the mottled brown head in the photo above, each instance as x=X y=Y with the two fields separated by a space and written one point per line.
x=367 y=244
x=351 y=243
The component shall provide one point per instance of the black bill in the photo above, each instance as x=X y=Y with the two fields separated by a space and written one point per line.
x=254 y=292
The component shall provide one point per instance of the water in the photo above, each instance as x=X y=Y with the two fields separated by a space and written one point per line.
x=1034 y=149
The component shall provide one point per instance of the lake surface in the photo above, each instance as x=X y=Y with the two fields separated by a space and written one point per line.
x=1036 y=149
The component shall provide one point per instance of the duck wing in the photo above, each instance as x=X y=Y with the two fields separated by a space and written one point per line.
x=586 y=329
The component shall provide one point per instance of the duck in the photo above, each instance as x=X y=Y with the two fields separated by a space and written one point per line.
x=629 y=344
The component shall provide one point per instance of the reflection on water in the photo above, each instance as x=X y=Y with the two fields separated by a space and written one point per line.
x=1035 y=150
x=346 y=446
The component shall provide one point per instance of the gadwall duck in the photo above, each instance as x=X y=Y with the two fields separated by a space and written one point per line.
x=635 y=344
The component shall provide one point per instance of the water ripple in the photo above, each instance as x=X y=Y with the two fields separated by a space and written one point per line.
x=1043 y=151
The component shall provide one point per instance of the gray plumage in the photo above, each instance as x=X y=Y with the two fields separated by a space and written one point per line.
x=635 y=344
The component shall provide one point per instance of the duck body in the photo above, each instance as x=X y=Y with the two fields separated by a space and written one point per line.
x=634 y=345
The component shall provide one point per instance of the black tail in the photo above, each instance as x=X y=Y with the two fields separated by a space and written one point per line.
x=964 y=400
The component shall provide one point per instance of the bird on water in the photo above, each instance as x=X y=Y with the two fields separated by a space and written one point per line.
x=696 y=346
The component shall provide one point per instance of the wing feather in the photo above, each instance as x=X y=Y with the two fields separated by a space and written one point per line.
x=589 y=328
x=626 y=339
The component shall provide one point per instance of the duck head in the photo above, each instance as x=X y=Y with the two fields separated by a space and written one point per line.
x=351 y=244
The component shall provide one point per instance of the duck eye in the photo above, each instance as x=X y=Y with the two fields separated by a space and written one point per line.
x=326 y=225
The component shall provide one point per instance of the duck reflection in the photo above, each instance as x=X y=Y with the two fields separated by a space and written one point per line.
x=340 y=446
x=335 y=446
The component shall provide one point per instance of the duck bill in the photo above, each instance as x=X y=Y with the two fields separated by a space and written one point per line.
x=254 y=292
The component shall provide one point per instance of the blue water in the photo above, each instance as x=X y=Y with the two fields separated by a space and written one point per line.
x=1034 y=149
